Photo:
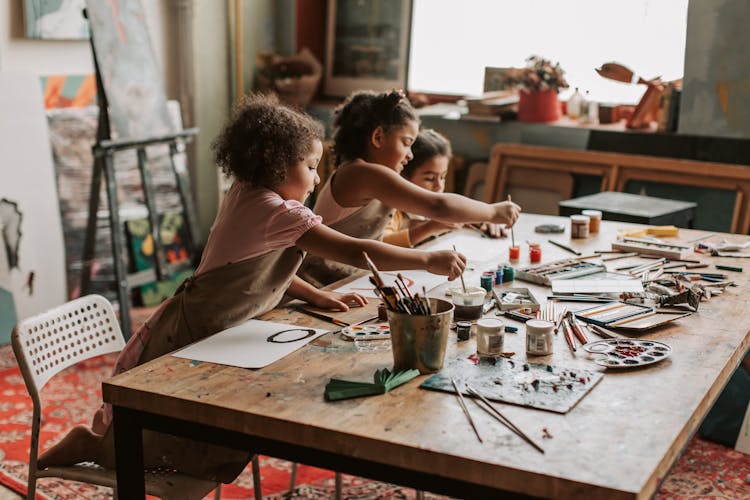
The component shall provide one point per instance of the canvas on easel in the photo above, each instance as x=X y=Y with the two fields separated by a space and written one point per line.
x=131 y=78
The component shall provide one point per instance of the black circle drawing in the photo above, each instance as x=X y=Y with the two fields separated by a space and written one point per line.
x=308 y=332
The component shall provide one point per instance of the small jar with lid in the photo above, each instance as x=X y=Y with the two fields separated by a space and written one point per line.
x=490 y=337
x=535 y=252
x=539 y=337
x=579 y=226
x=595 y=220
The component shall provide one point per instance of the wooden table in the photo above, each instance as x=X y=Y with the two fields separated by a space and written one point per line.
x=618 y=442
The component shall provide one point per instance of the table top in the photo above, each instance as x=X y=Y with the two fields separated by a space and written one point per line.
x=619 y=441
x=630 y=204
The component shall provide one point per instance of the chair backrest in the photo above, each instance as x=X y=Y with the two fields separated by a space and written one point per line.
x=49 y=342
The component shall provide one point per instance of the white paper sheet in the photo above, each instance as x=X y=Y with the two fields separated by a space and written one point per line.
x=474 y=246
x=582 y=285
x=247 y=345
x=415 y=279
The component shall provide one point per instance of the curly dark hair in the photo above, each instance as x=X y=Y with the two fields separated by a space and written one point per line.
x=363 y=112
x=262 y=138
x=428 y=144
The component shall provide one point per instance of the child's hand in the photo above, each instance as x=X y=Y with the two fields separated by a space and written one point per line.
x=493 y=230
x=337 y=301
x=506 y=212
x=446 y=262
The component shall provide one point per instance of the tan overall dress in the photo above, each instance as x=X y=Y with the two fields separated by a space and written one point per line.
x=367 y=223
x=202 y=306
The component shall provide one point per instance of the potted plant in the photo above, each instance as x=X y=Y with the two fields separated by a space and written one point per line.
x=538 y=83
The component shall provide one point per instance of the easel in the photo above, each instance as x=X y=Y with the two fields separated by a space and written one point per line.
x=103 y=151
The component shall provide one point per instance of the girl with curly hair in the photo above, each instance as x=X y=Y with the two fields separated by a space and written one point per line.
x=257 y=243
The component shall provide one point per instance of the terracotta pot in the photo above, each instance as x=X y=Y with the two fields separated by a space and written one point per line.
x=538 y=106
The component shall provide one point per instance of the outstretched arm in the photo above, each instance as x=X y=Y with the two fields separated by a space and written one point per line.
x=358 y=183
x=330 y=244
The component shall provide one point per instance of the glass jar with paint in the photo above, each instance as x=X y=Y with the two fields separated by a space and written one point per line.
x=595 y=220
x=490 y=337
x=468 y=303
x=514 y=252
x=539 y=338
x=535 y=253
x=579 y=226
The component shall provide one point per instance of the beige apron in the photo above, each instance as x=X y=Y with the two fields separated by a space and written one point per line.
x=202 y=306
x=366 y=223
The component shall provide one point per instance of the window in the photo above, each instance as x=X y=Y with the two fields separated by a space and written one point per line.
x=452 y=42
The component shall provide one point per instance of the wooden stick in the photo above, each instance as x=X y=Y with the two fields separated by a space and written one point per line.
x=374 y=270
x=512 y=236
x=426 y=301
x=463 y=283
x=465 y=409
x=564 y=247
x=494 y=412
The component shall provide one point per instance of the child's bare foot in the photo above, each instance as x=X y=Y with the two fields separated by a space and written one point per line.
x=79 y=445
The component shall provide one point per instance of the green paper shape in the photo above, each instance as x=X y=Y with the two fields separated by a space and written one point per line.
x=383 y=381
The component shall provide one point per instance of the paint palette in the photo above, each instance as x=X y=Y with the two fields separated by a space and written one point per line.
x=373 y=331
x=628 y=353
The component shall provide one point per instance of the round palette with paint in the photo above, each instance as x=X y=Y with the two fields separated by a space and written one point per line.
x=370 y=331
x=628 y=353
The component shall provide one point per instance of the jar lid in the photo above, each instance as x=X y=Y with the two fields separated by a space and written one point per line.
x=592 y=213
x=539 y=326
x=490 y=325
x=580 y=219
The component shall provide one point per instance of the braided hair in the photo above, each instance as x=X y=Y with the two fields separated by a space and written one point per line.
x=262 y=138
x=363 y=112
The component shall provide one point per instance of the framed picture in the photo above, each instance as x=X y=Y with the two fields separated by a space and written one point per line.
x=367 y=45
x=56 y=19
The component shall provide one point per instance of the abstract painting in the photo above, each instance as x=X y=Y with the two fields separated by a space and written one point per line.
x=132 y=80
x=69 y=91
x=56 y=19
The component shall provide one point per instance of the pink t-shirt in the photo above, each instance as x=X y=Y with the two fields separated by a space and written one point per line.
x=251 y=222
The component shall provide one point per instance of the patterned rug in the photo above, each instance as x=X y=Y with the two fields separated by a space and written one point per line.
x=706 y=470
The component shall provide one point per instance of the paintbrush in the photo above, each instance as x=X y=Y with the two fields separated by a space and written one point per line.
x=495 y=413
x=374 y=270
x=465 y=409
x=463 y=283
x=426 y=301
x=512 y=236
x=478 y=230
x=564 y=247
x=322 y=316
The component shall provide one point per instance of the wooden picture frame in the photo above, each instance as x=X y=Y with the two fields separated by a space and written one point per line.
x=367 y=45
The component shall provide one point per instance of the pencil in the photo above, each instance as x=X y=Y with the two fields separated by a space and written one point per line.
x=564 y=247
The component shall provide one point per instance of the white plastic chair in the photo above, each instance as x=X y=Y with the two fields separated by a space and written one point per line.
x=49 y=342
